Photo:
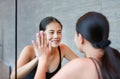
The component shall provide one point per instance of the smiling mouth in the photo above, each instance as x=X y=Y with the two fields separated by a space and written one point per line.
x=56 y=41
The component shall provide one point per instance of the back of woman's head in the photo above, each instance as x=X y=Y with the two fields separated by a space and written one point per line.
x=46 y=21
x=95 y=28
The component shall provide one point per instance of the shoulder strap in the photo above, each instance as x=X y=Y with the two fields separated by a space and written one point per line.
x=96 y=66
x=59 y=53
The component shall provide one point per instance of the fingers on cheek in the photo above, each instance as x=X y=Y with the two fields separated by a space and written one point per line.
x=42 y=40
x=45 y=39
x=38 y=38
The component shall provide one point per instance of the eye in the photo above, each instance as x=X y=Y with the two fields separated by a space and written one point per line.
x=59 y=32
x=51 y=32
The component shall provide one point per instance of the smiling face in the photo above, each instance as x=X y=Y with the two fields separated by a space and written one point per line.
x=54 y=33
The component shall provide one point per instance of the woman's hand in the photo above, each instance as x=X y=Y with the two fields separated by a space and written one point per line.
x=42 y=51
x=41 y=46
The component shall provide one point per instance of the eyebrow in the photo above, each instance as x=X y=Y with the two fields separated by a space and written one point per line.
x=53 y=30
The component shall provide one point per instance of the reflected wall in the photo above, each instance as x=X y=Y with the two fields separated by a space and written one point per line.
x=31 y=12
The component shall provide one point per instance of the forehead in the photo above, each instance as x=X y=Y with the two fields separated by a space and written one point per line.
x=53 y=26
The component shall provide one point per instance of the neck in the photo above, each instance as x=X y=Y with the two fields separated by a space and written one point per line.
x=96 y=53
x=54 y=49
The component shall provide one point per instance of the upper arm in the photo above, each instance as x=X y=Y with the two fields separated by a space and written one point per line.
x=68 y=53
x=25 y=56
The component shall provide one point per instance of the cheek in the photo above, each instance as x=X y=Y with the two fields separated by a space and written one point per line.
x=75 y=39
x=60 y=36
x=49 y=37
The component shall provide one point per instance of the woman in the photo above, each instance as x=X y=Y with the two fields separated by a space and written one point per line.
x=28 y=60
x=100 y=61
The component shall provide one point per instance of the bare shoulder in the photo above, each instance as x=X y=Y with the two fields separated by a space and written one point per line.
x=65 y=48
x=77 y=63
x=81 y=62
x=27 y=51
x=74 y=67
x=28 y=47
x=83 y=66
x=25 y=55
x=67 y=52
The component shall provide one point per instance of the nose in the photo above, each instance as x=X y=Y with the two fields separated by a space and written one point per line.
x=55 y=35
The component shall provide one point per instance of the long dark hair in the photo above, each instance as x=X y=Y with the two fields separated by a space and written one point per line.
x=94 y=27
x=47 y=20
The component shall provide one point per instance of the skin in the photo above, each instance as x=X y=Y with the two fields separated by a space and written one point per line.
x=79 y=68
x=30 y=55
x=82 y=68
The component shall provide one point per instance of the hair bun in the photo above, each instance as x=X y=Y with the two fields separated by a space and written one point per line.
x=103 y=44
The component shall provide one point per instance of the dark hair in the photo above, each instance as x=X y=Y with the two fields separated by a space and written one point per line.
x=47 y=21
x=94 y=27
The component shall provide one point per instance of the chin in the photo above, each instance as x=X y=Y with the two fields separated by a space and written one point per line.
x=55 y=45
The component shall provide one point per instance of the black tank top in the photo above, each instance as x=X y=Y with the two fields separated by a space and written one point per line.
x=48 y=75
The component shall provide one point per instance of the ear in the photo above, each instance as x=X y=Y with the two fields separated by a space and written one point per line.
x=81 y=38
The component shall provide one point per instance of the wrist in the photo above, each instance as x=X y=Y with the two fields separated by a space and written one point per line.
x=43 y=59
